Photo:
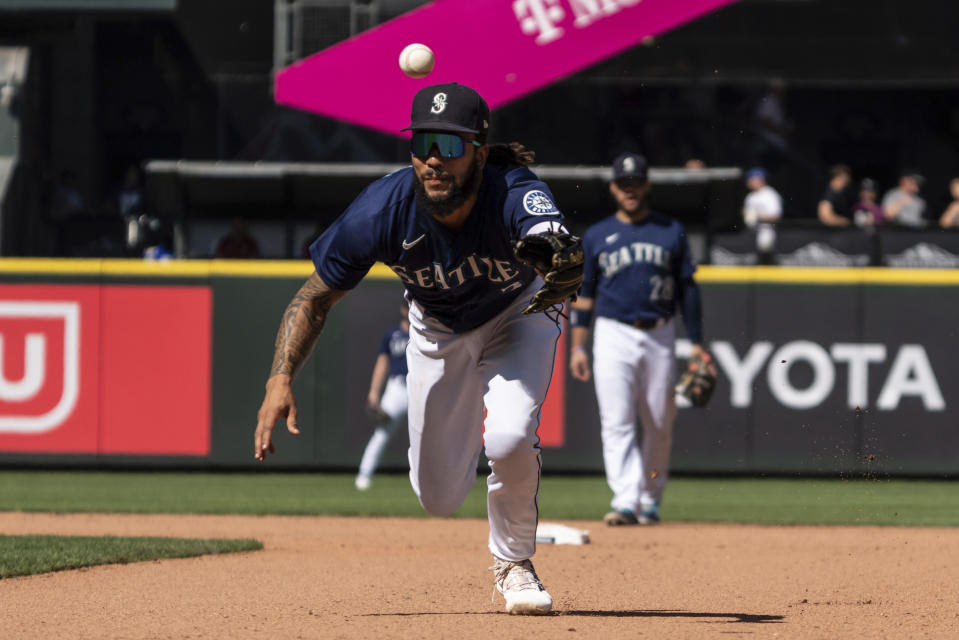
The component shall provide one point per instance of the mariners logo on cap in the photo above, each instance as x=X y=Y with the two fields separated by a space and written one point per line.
x=538 y=203
x=629 y=164
x=439 y=103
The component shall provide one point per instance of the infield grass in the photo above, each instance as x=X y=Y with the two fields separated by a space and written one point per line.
x=28 y=555
x=772 y=501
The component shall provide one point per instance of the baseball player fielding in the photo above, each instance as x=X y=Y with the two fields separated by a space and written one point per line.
x=483 y=324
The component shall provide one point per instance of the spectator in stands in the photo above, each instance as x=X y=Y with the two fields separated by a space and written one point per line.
x=694 y=164
x=835 y=206
x=68 y=208
x=950 y=217
x=867 y=211
x=763 y=204
x=68 y=200
x=772 y=126
x=903 y=205
x=129 y=199
x=238 y=244
x=761 y=210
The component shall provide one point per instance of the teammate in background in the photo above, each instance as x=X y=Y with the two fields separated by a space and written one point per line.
x=388 y=406
x=445 y=226
x=836 y=203
x=638 y=268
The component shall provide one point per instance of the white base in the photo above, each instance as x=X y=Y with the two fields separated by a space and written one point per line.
x=555 y=533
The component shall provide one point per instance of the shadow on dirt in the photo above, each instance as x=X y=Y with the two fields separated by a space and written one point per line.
x=667 y=613
x=753 y=618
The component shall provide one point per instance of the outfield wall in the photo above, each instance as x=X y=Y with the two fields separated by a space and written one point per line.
x=130 y=363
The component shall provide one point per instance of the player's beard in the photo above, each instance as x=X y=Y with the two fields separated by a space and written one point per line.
x=443 y=205
x=639 y=210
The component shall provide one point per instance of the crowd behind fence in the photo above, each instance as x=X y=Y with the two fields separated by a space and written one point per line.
x=273 y=210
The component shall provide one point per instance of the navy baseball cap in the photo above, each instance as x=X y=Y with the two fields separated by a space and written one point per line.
x=756 y=172
x=630 y=165
x=450 y=107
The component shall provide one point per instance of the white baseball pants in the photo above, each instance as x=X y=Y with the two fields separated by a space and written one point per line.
x=394 y=404
x=503 y=366
x=634 y=372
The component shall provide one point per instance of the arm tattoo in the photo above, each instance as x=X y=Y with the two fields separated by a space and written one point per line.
x=302 y=323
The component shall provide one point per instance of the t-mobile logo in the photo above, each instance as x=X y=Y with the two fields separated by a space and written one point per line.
x=540 y=17
x=544 y=17
x=38 y=389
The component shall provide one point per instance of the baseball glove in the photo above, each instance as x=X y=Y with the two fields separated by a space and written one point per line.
x=699 y=380
x=377 y=415
x=558 y=257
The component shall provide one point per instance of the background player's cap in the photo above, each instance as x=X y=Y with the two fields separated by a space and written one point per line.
x=756 y=172
x=450 y=107
x=630 y=165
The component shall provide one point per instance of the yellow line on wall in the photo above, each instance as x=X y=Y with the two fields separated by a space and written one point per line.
x=168 y=268
x=827 y=275
x=303 y=268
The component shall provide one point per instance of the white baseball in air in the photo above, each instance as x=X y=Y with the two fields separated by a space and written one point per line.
x=416 y=60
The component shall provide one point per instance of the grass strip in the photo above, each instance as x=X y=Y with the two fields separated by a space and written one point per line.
x=773 y=501
x=29 y=555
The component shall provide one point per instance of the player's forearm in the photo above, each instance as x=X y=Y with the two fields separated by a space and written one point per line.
x=580 y=317
x=301 y=326
x=692 y=312
x=380 y=369
x=579 y=338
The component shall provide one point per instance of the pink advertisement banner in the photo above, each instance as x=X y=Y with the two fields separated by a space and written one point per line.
x=502 y=48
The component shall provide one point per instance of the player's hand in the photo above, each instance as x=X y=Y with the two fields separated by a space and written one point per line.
x=278 y=403
x=579 y=364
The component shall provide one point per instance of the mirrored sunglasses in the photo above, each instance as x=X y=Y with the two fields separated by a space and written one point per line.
x=449 y=145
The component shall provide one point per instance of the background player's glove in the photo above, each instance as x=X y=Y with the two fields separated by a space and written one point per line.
x=699 y=379
x=375 y=413
x=558 y=257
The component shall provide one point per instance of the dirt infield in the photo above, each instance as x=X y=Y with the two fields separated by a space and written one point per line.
x=411 y=578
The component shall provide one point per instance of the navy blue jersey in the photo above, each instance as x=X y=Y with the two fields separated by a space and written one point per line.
x=638 y=271
x=460 y=278
x=393 y=344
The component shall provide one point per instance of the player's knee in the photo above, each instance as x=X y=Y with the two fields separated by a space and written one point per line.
x=441 y=497
x=503 y=446
x=438 y=504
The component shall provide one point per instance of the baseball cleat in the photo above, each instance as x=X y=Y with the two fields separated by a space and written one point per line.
x=525 y=594
x=363 y=482
x=620 y=517
x=649 y=514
